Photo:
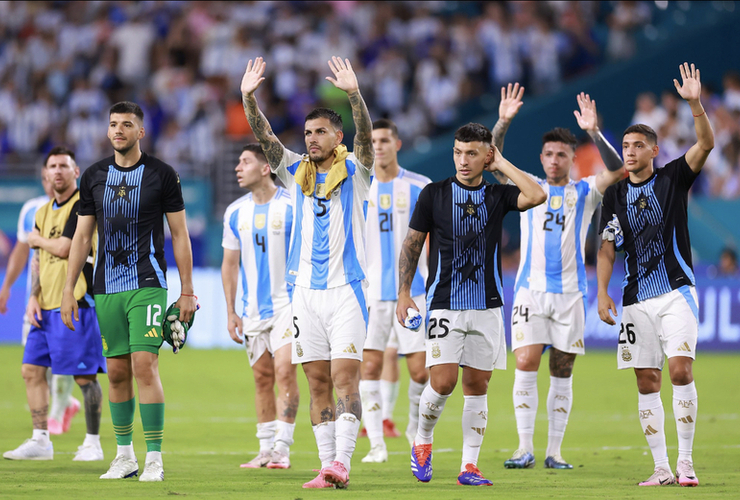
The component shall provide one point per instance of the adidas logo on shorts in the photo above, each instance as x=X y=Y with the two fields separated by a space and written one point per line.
x=350 y=349
x=151 y=333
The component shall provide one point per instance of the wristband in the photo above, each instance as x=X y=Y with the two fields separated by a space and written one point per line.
x=189 y=295
x=697 y=116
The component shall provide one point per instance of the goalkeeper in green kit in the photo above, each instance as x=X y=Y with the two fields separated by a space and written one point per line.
x=127 y=196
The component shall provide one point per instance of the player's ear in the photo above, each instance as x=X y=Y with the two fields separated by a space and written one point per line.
x=399 y=143
x=656 y=150
x=340 y=136
x=142 y=133
x=489 y=155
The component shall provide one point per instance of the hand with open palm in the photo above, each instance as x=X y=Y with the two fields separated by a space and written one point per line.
x=253 y=76
x=344 y=76
x=690 y=88
x=587 y=118
x=511 y=101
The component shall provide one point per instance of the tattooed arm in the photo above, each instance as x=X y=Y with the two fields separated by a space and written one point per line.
x=33 y=309
x=271 y=145
x=511 y=101
x=346 y=79
x=407 y=263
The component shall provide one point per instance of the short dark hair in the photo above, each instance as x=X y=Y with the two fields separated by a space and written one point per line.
x=127 y=107
x=256 y=149
x=473 y=132
x=329 y=114
x=386 y=123
x=560 y=134
x=645 y=130
x=59 y=150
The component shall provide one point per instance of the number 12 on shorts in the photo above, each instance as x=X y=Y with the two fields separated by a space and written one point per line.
x=153 y=313
x=626 y=334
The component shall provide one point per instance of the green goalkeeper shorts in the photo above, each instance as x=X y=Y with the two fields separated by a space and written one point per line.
x=131 y=321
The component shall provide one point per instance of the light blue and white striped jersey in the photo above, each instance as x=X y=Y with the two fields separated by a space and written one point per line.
x=262 y=233
x=389 y=210
x=26 y=223
x=327 y=246
x=553 y=238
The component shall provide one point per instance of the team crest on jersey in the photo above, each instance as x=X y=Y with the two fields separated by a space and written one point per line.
x=570 y=200
x=556 y=202
x=626 y=354
x=436 y=352
x=385 y=201
x=402 y=201
x=259 y=220
x=321 y=190
x=298 y=349
x=277 y=222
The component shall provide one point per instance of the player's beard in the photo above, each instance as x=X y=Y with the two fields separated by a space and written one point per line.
x=123 y=150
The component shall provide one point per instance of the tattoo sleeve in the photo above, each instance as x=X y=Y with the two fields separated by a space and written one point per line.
x=409 y=258
x=35 y=270
x=271 y=145
x=499 y=131
x=363 y=130
x=561 y=363
x=610 y=156
x=350 y=404
x=39 y=417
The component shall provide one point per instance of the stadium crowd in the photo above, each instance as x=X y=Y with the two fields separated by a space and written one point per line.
x=66 y=62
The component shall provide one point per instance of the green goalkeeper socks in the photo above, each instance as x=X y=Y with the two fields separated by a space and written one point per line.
x=152 y=420
x=122 y=415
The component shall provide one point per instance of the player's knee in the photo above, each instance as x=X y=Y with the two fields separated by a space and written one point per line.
x=420 y=376
x=32 y=374
x=285 y=376
x=527 y=361
x=371 y=370
x=682 y=375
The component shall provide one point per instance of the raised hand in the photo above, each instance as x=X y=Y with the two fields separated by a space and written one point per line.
x=690 y=88
x=587 y=119
x=344 y=76
x=511 y=101
x=253 y=76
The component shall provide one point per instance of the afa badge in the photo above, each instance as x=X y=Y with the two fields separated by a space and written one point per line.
x=570 y=200
x=626 y=354
x=436 y=352
x=298 y=349
x=385 y=201
x=556 y=202
x=260 y=220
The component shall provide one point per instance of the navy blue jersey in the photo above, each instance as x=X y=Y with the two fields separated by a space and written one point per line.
x=130 y=204
x=464 y=226
x=654 y=218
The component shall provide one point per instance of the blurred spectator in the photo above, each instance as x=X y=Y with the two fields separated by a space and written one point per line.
x=624 y=21
x=727 y=263
x=648 y=112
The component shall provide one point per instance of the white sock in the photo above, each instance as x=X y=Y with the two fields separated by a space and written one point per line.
x=284 y=436
x=389 y=394
x=525 y=407
x=415 y=390
x=325 y=442
x=474 y=418
x=652 y=419
x=126 y=450
x=92 y=439
x=431 y=405
x=61 y=390
x=41 y=435
x=347 y=427
x=559 y=404
x=685 y=407
x=266 y=435
x=372 y=412
x=153 y=456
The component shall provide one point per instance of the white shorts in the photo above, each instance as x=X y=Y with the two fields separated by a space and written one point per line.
x=382 y=321
x=556 y=319
x=393 y=339
x=329 y=324
x=269 y=334
x=662 y=326
x=473 y=338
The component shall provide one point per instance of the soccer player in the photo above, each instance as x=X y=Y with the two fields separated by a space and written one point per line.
x=462 y=216
x=257 y=231
x=549 y=304
x=128 y=195
x=326 y=263
x=63 y=405
x=50 y=343
x=393 y=195
x=660 y=307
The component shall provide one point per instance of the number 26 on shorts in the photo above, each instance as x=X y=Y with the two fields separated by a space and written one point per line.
x=626 y=334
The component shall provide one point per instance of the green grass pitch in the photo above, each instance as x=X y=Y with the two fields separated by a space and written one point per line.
x=210 y=428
